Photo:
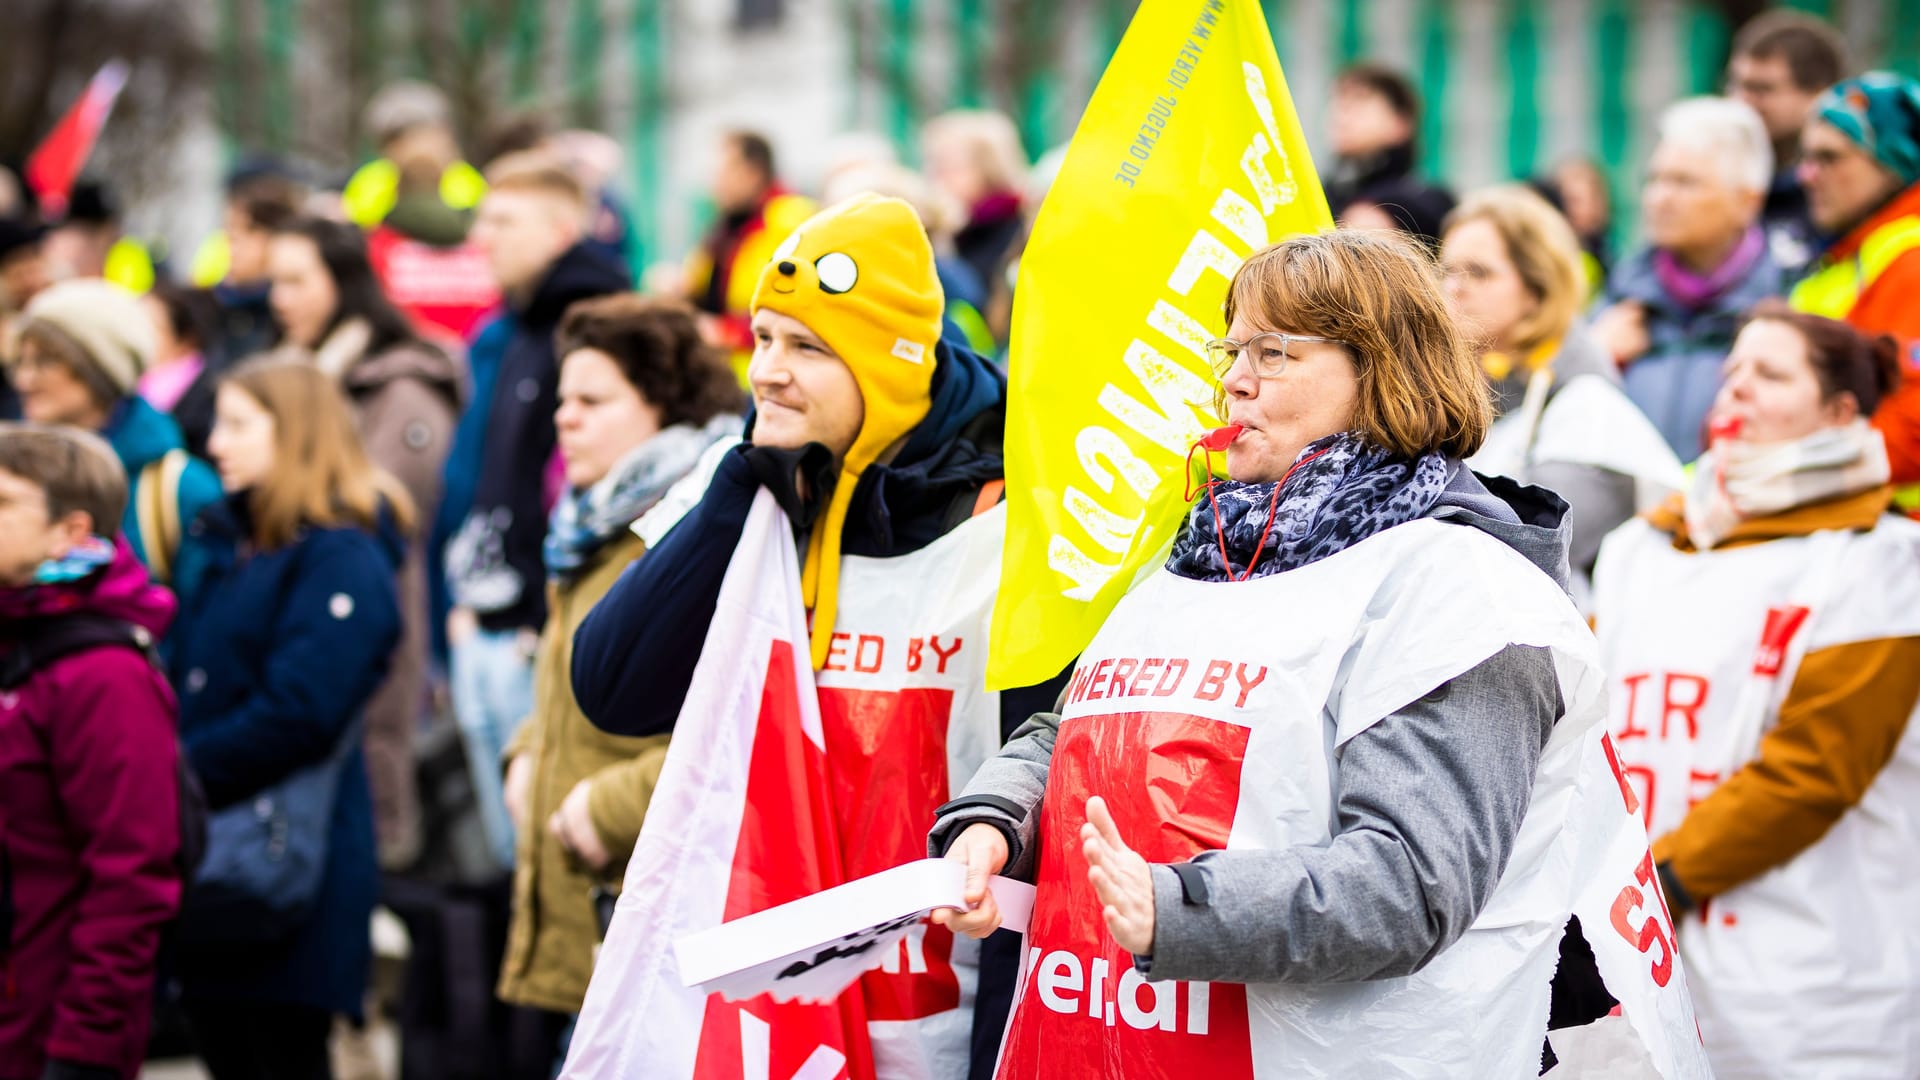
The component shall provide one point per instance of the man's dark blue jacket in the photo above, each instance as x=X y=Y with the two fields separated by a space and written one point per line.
x=633 y=657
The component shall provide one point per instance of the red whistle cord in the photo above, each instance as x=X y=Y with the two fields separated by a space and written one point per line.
x=1216 y=441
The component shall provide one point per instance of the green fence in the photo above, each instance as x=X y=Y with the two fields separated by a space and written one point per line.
x=1511 y=86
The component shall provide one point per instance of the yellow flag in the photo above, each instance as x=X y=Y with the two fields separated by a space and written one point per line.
x=1189 y=159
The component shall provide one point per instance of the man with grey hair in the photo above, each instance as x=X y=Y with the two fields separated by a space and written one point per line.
x=1669 y=311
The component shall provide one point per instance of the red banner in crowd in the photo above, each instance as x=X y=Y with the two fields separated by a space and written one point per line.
x=743 y=820
x=56 y=163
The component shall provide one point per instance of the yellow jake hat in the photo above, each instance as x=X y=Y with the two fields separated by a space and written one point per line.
x=860 y=275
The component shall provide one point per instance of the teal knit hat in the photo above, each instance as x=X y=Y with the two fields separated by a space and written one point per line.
x=1880 y=111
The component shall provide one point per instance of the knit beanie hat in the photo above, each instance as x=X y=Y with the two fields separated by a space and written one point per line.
x=860 y=275
x=1880 y=111
x=104 y=319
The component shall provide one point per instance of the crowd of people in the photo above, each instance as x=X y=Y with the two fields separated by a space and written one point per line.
x=405 y=460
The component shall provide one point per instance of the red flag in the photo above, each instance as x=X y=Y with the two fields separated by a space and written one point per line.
x=741 y=821
x=55 y=164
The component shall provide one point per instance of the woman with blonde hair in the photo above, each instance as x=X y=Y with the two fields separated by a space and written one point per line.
x=1314 y=803
x=975 y=158
x=1515 y=281
x=274 y=663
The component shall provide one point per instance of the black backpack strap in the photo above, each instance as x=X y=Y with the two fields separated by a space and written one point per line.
x=39 y=642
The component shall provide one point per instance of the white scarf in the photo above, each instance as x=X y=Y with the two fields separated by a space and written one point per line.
x=1738 y=481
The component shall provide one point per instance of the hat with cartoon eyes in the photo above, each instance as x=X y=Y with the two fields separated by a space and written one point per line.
x=860 y=275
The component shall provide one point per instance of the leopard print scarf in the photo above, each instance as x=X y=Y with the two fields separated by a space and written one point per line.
x=1342 y=491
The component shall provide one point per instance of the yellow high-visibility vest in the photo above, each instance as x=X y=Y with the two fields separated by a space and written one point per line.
x=128 y=265
x=373 y=190
x=212 y=261
x=1834 y=287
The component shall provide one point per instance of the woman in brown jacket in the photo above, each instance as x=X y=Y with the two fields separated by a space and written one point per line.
x=1761 y=633
x=405 y=393
x=641 y=400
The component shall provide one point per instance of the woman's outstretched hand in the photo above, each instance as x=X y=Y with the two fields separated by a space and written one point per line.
x=1121 y=879
x=984 y=849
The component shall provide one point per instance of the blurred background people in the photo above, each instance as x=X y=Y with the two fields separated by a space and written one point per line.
x=23 y=263
x=1671 y=308
x=259 y=200
x=412 y=125
x=1515 y=282
x=180 y=381
x=1783 y=60
x=532 y=226
x=974 y=157
x=755 y=212
x=642 y=398
x=1577 y=187
x=83 y=347
x=1374 y=122
x=1861 y=167
x=278 y=660
x=88 y=241
x=405 y=396
x=1782 y=810
x=89 y=799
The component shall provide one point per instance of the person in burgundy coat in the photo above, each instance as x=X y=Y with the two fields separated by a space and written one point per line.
x=89 y=812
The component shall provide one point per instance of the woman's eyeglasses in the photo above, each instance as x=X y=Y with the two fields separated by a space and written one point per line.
x=1267 y=354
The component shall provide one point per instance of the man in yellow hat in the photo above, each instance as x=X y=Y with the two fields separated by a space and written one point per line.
x=883 y=445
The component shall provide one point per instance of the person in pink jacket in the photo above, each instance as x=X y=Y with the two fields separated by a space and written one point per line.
x=89 y=794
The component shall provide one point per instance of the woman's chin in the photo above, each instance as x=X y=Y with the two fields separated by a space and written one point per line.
x=1248 y=463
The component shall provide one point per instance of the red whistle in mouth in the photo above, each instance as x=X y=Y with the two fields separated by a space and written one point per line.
x=1727 y=427
x=1216 y=440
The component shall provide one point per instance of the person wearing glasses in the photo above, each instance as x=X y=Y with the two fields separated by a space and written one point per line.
x=1860 y=163
x=1670 y=310
x=1515 y=281
x=1299 y=763
x=1780 y=62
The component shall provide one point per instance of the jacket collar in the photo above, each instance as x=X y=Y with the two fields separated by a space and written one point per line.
x=580 y=272
x=1392 y=163
x=955 y=449
x=406 y=360
x=1903 y=204
x=140 y=433
x=1858 y=512
x=1635 y=279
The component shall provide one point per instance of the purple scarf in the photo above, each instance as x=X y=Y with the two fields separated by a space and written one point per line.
x=1695 y=291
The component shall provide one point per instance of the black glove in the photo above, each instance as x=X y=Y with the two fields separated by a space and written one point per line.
x=1679 y=901
x=777 y=469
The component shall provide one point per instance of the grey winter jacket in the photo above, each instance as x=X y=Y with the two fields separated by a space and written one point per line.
x=1429 y=804
x=1598 y=500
